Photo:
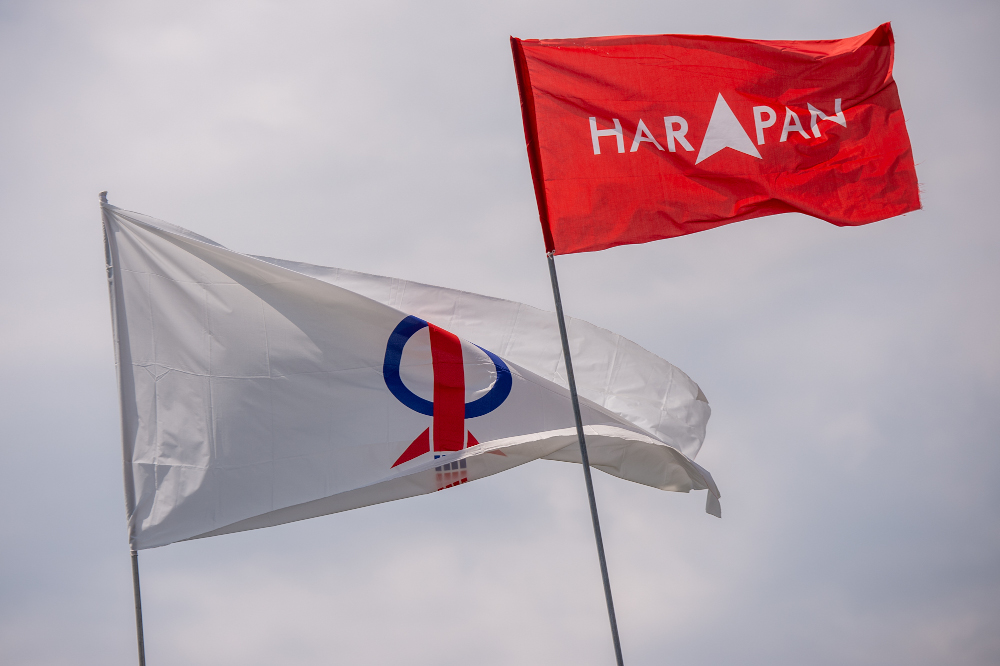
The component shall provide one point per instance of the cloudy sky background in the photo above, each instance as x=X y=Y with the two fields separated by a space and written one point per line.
x=854 y=373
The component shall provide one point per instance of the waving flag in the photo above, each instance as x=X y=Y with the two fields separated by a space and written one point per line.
x=633 y=139
x=256 y=391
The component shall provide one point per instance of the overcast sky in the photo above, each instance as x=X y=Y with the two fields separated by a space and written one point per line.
x=854 y=374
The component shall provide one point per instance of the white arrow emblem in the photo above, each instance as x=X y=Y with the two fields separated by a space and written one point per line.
x=724 y=131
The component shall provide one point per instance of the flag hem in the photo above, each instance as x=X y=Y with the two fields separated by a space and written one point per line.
x=526 y=94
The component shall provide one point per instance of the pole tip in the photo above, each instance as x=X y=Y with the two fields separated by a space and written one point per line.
x=104 y=197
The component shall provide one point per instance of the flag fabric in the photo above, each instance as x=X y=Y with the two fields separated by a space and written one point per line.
x=256 y=391
x=633 y=139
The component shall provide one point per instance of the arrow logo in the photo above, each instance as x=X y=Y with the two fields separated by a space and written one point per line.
x=724 y=131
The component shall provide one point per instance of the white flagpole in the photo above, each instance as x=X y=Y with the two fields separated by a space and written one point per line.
x=584 y=458
x=129 y=500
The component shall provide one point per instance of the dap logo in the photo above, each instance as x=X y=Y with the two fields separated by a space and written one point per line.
x=448 y=410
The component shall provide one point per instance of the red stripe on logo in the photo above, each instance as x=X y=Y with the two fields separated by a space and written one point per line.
x=449 y=390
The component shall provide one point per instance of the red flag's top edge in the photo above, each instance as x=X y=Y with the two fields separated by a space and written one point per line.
x=880 y=36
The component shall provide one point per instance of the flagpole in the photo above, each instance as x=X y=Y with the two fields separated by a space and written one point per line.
x=138 y=608
x=129 y=497
x=585 y=458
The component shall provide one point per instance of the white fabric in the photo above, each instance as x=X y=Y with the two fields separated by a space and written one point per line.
x=253 y=394
x=725 y=131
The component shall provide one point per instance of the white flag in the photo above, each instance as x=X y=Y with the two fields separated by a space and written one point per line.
x=256 y=392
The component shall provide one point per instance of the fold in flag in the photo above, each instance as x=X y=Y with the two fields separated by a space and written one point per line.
x=256 y=391
x=633 y=139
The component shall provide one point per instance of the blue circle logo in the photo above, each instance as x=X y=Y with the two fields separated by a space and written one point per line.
x=390 y=371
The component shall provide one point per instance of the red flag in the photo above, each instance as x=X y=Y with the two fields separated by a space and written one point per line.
x=633 y=139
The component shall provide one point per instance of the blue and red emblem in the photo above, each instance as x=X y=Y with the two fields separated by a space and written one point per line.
x=448 y=410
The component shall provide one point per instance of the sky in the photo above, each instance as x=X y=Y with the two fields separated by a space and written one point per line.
x=854 y=373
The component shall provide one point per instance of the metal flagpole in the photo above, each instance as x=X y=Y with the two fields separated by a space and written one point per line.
x=138 y=608
x=585 y=458
x=534 y=160
x=129 y=500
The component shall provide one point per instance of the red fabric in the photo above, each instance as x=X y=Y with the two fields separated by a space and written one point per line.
x=449 y=390
x=848 y=175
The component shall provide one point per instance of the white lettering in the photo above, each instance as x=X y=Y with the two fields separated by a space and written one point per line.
x=676 y=134
x=815 y=115
x=595 y=134
x=760 y=123
x=642 y=134
x=792 y=122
